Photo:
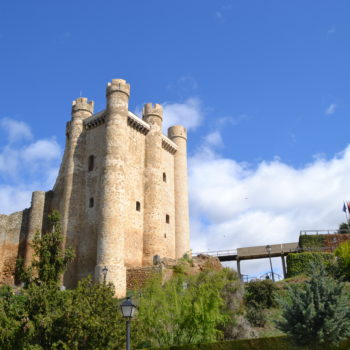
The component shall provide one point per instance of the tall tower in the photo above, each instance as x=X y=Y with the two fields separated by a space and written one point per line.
x=153 y=214
x=73 y=180
x=178 y=135
x=110 y=241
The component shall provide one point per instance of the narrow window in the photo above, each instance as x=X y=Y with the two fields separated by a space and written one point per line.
x=164 y=177
x=167 y=218
x=91 y=202
x=91 y=163
x=164 y=235
x=138 y=206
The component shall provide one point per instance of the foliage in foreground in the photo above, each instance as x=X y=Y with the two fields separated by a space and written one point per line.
x=299 y=263
x=268 y=343
x=41 y=316
x=317 y=313
x=186 y=309
x=343 y=254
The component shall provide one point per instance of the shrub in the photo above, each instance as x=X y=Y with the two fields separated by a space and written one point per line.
x=318 y=312
x=343 y=254
x=344 y=228
x=260 y=293
x=311 y=242
x=256 y=315
x=299 y=263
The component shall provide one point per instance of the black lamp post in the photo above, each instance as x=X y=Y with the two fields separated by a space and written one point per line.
x=268 y=249
x=104 y=271
x=128 y=311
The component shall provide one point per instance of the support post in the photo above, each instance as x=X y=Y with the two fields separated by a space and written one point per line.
x=239 y=268
x=284 y=266
x=128 y=334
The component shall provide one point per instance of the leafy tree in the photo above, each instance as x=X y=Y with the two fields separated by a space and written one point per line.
x=41 y=316
x=50 y=258
x=184 y=310
x=342 y=252
x=317 y=313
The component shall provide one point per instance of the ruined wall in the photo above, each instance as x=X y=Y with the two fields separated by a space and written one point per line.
x=13 y=232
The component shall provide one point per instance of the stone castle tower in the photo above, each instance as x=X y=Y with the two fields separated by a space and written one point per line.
x=121 y=191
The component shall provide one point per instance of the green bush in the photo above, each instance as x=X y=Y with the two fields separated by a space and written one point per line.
x=271 y=343
x=344 y=228
x=343 y=255
x=317 y=313
x=299 y=263
x=260 y=293
x=311 y=242
x=256 y=316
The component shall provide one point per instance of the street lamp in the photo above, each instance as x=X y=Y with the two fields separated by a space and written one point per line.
x=128 y=311
x=104 y=271
x=268 y=249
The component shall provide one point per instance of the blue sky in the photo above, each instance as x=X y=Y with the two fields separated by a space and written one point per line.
x=262 y=85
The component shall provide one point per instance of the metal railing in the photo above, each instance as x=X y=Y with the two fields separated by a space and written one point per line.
x=217 y=253
x=319 y=232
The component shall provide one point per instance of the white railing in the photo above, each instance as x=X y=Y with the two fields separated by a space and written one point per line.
x=218 y=253
x=319 y=232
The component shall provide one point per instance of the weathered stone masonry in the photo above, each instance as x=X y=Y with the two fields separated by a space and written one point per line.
x=121 y=190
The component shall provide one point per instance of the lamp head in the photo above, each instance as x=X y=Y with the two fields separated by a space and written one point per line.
x=104 y=271
x=128 y=308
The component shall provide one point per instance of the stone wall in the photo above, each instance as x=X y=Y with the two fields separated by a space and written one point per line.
x=13 y=233
x=136 y=277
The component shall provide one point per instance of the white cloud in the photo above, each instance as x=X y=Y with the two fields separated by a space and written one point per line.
x=25 y=167
x=16 y=130
x=214 y=139
x=331 y=109
x=236 y=205
x=42 y=150
x=188 y=114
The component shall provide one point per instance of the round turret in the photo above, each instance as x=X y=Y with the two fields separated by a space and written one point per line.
x=152 y=110
x=177 y=131
x=118 y=85
x=82 y=104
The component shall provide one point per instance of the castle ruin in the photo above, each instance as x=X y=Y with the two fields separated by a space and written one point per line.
x=121 y=191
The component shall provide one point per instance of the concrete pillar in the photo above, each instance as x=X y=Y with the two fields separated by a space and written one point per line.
x=154 y=215
x=110 y=240
x=284 y=266
x=178 y=135
x=73 y=169
x=35 y=223
x=239 y=269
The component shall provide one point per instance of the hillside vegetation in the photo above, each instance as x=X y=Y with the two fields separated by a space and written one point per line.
x=202 y=303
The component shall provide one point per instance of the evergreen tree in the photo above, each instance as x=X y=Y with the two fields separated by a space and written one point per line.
x=317 y=313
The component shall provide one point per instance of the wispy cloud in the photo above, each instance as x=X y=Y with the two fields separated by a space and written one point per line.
x=330 y=32
x=15 y=130
x=331 y=109
x=26 y=165
x=185 y=84
x=221 y=13
x=188 y=113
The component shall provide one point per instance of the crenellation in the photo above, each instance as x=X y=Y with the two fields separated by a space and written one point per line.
x=121 y=191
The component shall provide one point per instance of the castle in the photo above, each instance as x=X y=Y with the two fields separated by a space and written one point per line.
x=121 y=191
